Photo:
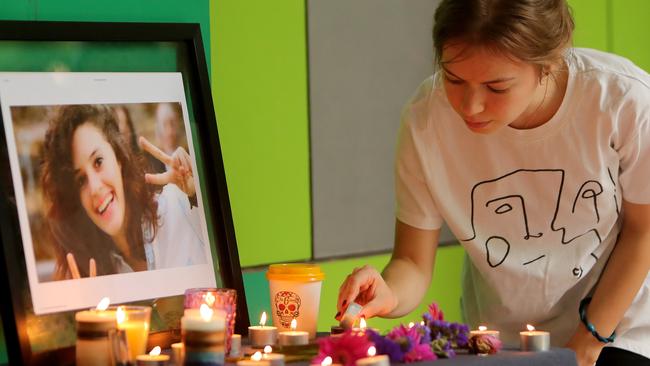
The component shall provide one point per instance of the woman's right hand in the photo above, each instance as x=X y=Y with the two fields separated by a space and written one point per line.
x=366 y=287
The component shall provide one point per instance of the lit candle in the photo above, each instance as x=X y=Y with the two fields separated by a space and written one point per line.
x=255 y=360
x=363 y=325
x=178 y=351
x=293 y=337
x=373 y=359
x=534 y=340
x=154 y=358
x=134 y=320
x=276 y=359
x=204 y=337
x=327 y=361
x=411 y=325
x=93 y=347
x=484 y=330
x=262 y=335
x=235 y=345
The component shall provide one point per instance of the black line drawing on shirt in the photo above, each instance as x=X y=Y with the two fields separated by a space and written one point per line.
x=536 y=259
x=507 y=208
x=587 y=192
x=577 y=271
x=498 y=246
x=595 y=256
x=494 y=251
x=618 y=212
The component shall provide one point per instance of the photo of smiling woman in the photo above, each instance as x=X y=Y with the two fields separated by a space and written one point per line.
x=106 y=214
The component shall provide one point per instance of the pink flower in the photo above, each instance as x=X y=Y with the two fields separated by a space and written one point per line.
x=484 y=344
x=345 y=349
x=435 y=312
x=421 y=352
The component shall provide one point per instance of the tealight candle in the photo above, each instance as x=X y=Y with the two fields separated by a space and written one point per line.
x=93 y=346
x=276 y=359
x=373 y=359
x=235 y=345
x=154 y=358
x=534 y=340
x=327 y=361
x=484 y=330
x=204 y=337
x=255 y=360
x=262 y=335
x=293 y=337
x=178 y=352
x=363 y=326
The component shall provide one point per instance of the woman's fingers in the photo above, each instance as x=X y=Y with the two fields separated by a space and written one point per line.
x=72 y=266
x=160 y=179
x=154 y=151
x=92 y=268
x=359 y=284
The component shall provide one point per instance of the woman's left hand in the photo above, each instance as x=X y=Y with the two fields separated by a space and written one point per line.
x=179 y=168
x=586 y=346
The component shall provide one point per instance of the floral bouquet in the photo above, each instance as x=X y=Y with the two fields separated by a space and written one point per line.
x=431 y=339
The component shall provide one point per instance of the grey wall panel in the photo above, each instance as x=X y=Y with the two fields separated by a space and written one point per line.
x=366 y=58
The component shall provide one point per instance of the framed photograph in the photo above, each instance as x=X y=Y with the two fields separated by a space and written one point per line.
x=112 y=181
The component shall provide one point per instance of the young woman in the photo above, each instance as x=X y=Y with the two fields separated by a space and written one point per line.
x=106 y=215
x=537 y=156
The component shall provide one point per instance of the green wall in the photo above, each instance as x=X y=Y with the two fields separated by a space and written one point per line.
x=260 y=91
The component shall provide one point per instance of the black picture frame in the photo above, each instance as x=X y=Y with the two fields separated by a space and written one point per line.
x=13 y=272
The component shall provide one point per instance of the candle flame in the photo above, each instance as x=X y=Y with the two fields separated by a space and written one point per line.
x=411 y=325
x=206 y=312
x=263 y=319
x=327 y=361
x=155 y=351
x=422 y=323
x=294 y=324
x=209 y=299
x=530 y=327
x=362 y=323
x=372 y=351
x=103 y=304
x=482 y=328
x=268 y=349
x=121 y=315
x=257 y=356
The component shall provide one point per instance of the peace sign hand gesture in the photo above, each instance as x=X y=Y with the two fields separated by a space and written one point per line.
x=179 y=167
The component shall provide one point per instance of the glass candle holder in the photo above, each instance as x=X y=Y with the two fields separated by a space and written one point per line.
x=220 y=299
x=135 y=321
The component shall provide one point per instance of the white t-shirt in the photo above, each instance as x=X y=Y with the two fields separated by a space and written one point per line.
x=179 y=240
x=537 y=210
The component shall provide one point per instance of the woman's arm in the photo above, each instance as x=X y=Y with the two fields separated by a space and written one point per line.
x=404 y=281
x=622 y=278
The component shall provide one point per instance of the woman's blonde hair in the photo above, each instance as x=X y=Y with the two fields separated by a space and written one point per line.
x=534 y=31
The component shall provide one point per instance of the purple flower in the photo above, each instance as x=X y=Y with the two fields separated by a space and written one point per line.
x=442 y=348
x=386 y=346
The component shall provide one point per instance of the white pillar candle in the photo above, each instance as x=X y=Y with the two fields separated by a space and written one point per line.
x=293 y=337
x=154 y=358
x=534 y=340
x=483 y=330
x=255 y=360
x=235 y=345
x=275 y=359
x=204 y=337
x=92 y=346
x=178 y=351
x=262 y=335
x=373 y=359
